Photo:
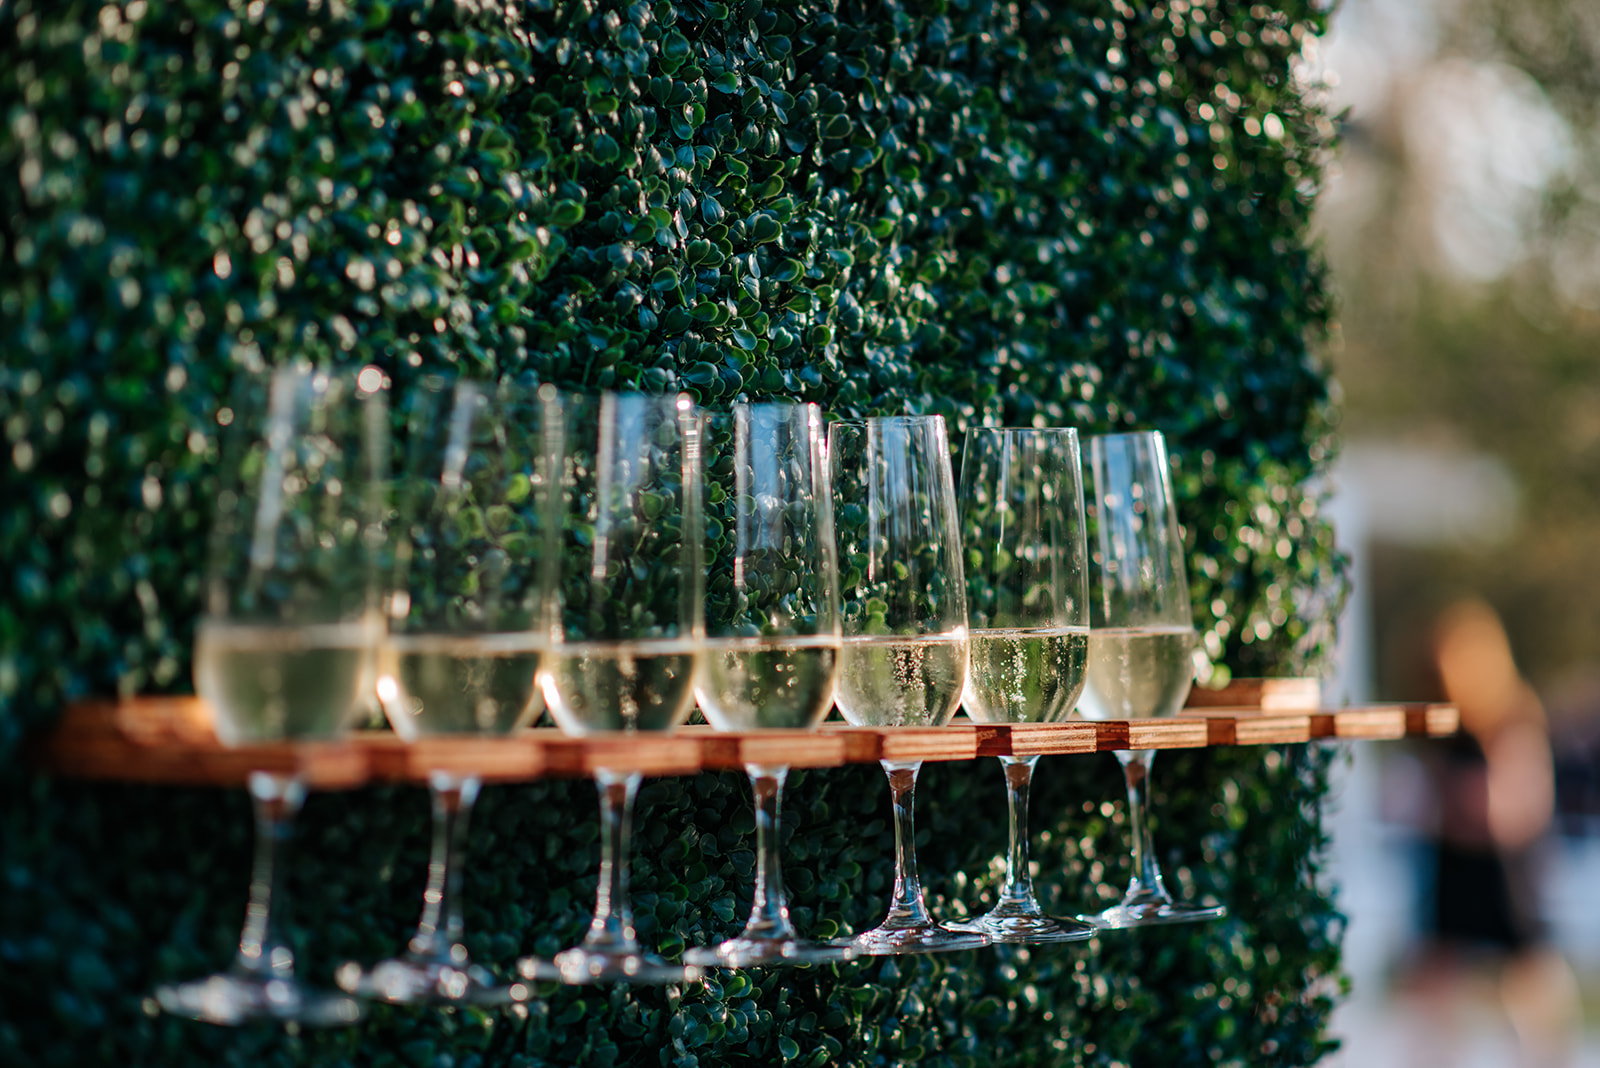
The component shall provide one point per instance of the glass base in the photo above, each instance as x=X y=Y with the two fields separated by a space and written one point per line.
x=233 y=998
x=933 y=938
x=1153 y=913
x=415 y=981
x=580 y=965
x=751 y=952
x=1032 y=929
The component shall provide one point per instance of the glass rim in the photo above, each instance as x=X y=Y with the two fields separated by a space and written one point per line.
x=1027 y=430
x=811 y=411
x=680 y=399
x=758 y=404
x=886 y=420
x=1124 y=434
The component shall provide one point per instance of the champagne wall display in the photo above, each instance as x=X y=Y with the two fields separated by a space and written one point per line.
x=1069 y=213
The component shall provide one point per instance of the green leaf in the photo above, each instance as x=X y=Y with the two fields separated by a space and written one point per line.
x=764 y=228
x=566 y=213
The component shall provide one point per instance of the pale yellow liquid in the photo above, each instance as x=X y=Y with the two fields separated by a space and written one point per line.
x=459 y=684
x=622 y=686
x=1137 y=672
x=1026 y=675
x=265 y=683
x=753 y=683
x=895 y=681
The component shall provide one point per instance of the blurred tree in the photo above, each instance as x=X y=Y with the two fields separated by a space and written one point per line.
x=1464 y=233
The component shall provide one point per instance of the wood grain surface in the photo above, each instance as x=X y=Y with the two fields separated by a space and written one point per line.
x=170 y=740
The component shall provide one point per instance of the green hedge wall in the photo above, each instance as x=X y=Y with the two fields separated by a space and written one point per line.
x=1081 y=213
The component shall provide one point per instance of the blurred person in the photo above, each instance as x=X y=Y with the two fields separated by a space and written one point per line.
x=1495 y=791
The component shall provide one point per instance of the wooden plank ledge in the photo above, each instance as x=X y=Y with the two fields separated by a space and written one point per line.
x=1038 y=739
x=1265 y=695
x=514 y=758
x=1186 y=733
x=1237 y=727
x=785 y=748
x=1432 y=721
x=645 y=752
x=1380 y=723
x=956 y=741
x=321 y=765
x=169 y=740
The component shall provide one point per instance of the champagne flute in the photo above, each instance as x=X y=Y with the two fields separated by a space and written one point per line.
x=464 y=640
x=1141 y=641
x=772 y=631
x=285 y=640
x=1028 y=606
x=626 y=591
x=904 y=657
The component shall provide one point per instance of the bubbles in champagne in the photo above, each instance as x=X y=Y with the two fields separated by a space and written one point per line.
x=896 y=681
x=1025 y=675
x=624 y=686
x=1137 y=672
x=749 y=683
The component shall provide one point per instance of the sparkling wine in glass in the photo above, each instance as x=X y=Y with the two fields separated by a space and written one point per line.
x=284 y=646
x=1028 y=613
x=465 y=639
x=625 y=588
x=1141 y=641
x=903 y=661
x=772 y=630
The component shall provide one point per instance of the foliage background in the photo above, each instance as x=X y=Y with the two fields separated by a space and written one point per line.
x=1070 y=213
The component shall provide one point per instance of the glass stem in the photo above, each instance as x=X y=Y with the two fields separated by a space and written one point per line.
x=1018 y=889
x=438 y=935
x=612 y=928
x=263 y=949
x=906 y=909
x=1146 y=882
x=769 y=912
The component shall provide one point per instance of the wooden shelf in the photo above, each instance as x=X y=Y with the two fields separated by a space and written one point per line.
x=1262 y=695
x=169 y=740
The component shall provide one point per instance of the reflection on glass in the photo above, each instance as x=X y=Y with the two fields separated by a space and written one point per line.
x=1028 y=608
x=772 y=630
x=1141 y=640
x=624 y=592
x=286 y=638
x=465 y=638
x=903 y=660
